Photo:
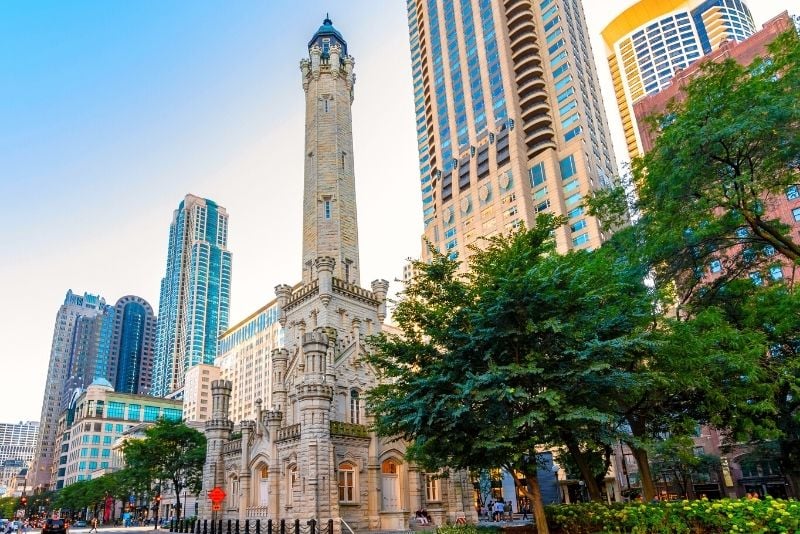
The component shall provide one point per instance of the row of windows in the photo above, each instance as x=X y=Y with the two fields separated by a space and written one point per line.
x=348 y=481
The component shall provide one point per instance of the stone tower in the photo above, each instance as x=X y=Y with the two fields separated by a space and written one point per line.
x=218 y=432
x=311 y=452
x=329 y=197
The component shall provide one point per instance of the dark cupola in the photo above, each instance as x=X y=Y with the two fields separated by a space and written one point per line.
x=327 y=36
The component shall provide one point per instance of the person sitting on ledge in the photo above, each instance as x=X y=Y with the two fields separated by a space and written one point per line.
x=422 y=517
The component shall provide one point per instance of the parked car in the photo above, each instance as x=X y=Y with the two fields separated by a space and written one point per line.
x=80 y=523
x=54 y=526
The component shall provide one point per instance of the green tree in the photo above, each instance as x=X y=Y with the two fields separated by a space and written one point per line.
x=525 y=350
x=676 y=458
x=171 y=451
x=8 y=507
x=722 y=157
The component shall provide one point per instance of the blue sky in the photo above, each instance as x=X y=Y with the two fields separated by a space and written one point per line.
x=110 y=112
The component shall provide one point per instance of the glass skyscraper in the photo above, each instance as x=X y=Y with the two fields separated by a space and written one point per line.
x=510 y=120
x=648 y=42
x=195 y=292
x=133 y=344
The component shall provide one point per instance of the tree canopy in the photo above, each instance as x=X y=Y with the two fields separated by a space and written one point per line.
x=170 y=452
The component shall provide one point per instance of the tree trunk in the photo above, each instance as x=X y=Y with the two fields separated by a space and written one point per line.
x=646 y=477
x=538 y=506
x=583 y=466
x=794 y=483
x=534 y=495
x=178 y=507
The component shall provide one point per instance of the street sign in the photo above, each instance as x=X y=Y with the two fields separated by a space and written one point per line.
x=216 y=495
x=216 y=507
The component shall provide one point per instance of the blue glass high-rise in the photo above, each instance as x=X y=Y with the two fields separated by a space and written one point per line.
x=195 y=292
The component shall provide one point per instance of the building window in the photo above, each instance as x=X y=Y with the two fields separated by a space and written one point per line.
x=133 y=412
x=776 y=272
x=537 y=175
x=116 y=410
x=389 y=467
x=327 y=208
x=581 y=239
x=432 y=488
x=347 y=483
x=715 y=266
x=150 y=413
x=793 y=192
x=756 y=278
x=796 y=214
x=568 y=168
x=355 y=407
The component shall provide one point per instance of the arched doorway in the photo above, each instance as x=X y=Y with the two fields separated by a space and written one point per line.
x=390 y=485
x=263 y=486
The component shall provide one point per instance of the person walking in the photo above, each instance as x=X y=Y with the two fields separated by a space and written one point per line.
x=94 y=525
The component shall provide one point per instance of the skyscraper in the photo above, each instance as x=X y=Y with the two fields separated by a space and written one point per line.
x=648 y=42
x=17 y=447
x=510 y=120
x=132 y=346
x=195 y=292
x=69 y=333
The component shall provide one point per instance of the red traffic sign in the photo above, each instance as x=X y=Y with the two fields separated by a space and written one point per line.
x=216 y=507
x=216 y=495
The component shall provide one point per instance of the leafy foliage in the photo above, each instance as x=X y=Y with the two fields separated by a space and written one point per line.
x=171 y=451
x=698 y=516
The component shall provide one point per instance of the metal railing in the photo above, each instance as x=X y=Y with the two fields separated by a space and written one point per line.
x=230 y=526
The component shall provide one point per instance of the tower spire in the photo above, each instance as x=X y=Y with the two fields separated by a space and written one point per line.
x=329 y=199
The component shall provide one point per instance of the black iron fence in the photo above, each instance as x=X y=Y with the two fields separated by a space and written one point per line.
x=257 y=526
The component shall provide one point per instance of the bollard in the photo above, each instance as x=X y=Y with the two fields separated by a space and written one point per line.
x=205 y=526
x=229 y=527
x=258 y=525
x=296 y=526
x=219 y=530
x=283 y=526
x=313 y=524
x=330 y=526
x=246 y=526
x=236 y=531
x=213 y=527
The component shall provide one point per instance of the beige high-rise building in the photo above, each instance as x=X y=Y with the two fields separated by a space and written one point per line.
x=245 y=351
x=510 y=119
x=46 y=460
x=648 y=42
x=197 y=392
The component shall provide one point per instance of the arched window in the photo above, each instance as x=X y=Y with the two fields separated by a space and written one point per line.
x=347 y=483
x=355 y=407
x=291 y=483
x=389 y=467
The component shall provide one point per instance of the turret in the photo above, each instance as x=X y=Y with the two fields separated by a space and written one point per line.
x=380 y=288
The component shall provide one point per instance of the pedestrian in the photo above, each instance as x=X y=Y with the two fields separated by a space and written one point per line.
x=94 y=525
x=499 y=508
x=525 y=511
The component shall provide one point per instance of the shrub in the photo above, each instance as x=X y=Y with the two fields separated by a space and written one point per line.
x=678 y=517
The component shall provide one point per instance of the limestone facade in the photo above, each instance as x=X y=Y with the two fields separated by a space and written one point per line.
x=309 y=452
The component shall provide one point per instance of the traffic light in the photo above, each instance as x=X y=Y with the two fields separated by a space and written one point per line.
x=23 y=500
